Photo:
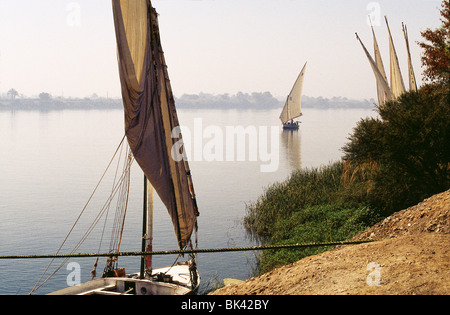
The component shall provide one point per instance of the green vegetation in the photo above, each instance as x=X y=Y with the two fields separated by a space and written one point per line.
x=339 y=183
x=316 y=205
x=390 y=163
x=410 y=144
x=313 y=224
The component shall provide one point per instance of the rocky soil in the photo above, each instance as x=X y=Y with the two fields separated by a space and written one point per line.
x=411 y=255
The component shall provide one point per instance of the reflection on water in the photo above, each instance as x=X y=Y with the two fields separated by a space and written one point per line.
x=291 y=142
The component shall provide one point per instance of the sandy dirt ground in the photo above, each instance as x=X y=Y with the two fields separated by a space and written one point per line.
x=411 y=256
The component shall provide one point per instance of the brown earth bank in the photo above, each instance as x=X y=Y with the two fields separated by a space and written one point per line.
x=411 y=255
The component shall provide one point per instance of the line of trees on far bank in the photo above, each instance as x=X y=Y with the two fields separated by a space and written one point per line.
x=240 y=100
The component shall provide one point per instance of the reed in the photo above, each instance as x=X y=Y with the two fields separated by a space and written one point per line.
x=338 y=183
x=312 y=205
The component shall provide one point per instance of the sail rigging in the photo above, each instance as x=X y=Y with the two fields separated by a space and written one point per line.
x=293 y=106
x=150 y=117
x=150 y=114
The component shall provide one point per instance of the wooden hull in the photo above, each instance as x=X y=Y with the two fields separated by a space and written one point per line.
x=179 y=284
x=293 y=126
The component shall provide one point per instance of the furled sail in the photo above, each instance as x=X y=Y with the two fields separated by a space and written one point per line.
x=397 y=84
x=412 y=76
x=150 y=115
x=380 y=78
x=293 y=106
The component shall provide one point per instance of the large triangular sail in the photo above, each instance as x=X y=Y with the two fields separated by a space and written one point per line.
x=380 y=78
x=381 y=91
x=412 y=76
x=386 y=92
x=293 y=106
x=397 y=84
x=150 y=115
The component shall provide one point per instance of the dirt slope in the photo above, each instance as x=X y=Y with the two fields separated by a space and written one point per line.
x=413 y=257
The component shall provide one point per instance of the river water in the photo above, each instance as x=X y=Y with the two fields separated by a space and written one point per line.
x=51 y=161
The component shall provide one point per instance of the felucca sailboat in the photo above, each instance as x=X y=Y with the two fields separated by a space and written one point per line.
x=293 y=107
x=390 y=90
x=150 y=118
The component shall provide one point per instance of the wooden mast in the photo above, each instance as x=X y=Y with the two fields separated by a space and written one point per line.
x=144 y=229
x=147 y=229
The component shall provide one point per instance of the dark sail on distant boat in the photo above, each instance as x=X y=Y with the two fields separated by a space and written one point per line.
x=150 y=114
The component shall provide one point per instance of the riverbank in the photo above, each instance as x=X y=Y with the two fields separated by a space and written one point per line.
x=413 y=257
x=241 y=101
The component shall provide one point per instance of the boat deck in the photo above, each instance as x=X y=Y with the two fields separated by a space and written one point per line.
x=174 y=280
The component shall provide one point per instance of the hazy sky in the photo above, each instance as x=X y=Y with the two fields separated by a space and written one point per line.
x=67 y=47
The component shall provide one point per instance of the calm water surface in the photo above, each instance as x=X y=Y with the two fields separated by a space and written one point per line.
x=50 y=163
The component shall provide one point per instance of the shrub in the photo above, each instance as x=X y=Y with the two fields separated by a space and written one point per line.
x=410 y=143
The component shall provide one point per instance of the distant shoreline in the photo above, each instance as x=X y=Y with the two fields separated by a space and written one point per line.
x=253 y=101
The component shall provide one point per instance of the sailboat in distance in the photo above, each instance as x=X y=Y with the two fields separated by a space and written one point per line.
x=150 y=117
x=293 y=107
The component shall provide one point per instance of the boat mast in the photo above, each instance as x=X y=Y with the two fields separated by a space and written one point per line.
x=147 y=229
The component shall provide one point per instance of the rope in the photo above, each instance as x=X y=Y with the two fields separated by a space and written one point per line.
x=189 y=251
x=37 y=285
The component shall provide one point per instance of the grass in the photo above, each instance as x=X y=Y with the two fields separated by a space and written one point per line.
x=313 y=205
